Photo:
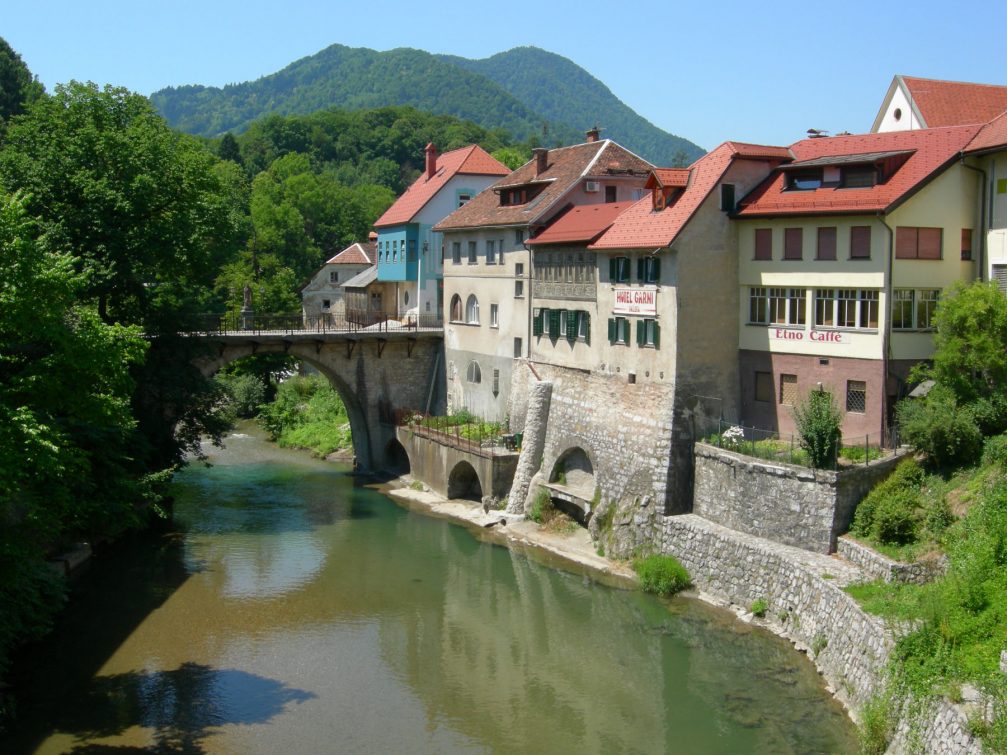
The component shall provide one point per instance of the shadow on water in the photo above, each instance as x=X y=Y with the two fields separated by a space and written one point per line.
x=180 y=706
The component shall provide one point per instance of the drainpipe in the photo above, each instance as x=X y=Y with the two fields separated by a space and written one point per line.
x=886 y=346
x=982 y=219
x=530 y=293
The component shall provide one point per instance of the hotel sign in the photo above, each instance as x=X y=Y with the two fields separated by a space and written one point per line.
x=635 y=301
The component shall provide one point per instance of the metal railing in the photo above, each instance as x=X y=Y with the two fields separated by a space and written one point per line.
x=462 y=431
x=232 y=323
x=774 y=446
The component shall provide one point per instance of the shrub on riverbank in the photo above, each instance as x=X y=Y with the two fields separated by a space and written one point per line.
x=662 y=575
x=307 y=413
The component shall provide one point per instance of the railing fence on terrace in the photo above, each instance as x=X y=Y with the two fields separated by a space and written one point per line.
x=487 y=439
x=231 y=323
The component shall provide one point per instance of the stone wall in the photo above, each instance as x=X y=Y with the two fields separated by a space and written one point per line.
x=786 y=503
x=878 y=566
x=432 y=463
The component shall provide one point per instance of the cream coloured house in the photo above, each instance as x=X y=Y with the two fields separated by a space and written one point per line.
x=324 y=296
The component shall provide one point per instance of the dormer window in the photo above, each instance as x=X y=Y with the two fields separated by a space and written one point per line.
x=804 y=180
x=659 y=198
x=860 y=177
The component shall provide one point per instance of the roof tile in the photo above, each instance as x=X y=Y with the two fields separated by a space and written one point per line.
x=582 y=223
x=955 y=103
x=355 y=254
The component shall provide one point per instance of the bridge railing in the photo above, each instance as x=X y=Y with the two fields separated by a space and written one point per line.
x=462 y=431
x=231 y=323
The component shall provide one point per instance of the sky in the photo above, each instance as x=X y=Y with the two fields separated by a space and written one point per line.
x=713 y=71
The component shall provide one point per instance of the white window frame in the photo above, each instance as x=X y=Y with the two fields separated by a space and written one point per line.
x=472 y=310
x=494 y=316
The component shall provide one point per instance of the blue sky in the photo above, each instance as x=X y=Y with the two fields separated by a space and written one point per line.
x=710 y=71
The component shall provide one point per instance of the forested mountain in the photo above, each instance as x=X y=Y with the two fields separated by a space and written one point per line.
x=534 y=95
x=562 y=91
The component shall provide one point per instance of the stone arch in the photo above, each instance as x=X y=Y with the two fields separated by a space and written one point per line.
x=359 y=430
x=463 y=482
x=573 y=469
x=396 y=458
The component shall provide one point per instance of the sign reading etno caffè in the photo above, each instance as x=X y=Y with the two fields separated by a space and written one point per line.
x=635 y=301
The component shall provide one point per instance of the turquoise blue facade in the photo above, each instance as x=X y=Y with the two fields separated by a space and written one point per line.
x=399 y=250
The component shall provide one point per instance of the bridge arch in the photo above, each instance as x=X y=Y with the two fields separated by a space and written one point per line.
x=464 y=482
x=396 y=458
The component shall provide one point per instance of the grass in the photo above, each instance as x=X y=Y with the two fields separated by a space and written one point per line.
x=759 y=607
x=541 y=510
x=662 y=575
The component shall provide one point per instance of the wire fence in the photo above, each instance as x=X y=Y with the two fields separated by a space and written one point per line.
x=774 y=446
x=248 y=323
x=463 y=431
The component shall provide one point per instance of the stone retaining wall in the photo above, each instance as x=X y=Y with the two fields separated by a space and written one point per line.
x=878 y=566
x=789 y=504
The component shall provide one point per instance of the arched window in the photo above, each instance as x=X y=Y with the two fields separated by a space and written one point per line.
x=474 y=374
x=456 y=308
x=472 y=310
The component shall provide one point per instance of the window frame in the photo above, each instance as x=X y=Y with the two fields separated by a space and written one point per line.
x=860 y=242
x=761 y=392
x=491 y=256
x=793 y=244
x=473 y=257
x=472 y=310
x=763 y=251
x=494 y=315
x=822 y=252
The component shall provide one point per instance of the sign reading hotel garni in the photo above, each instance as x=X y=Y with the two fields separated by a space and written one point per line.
x=635 y=301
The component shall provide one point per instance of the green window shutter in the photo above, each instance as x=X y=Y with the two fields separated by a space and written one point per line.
x=611 y=269
x=641 y=269
x=554 y=323
x=625 y=330
x=571 y=325
x=657 y=334
x=612 y=330
x=641 y=332
x=587 y=327
x=657 y=270
x=536 y=323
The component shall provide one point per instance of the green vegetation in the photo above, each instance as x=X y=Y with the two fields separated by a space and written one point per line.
x=662 y=575
x=18 y=87
x=534 y=95
x=818 y=421
x=876 y=725
x=307 y=413
x=245 y=393
x=819 y=643
x=759 y=607
x=541 y=510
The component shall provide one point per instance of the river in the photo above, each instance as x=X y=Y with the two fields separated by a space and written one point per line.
x=291 y=609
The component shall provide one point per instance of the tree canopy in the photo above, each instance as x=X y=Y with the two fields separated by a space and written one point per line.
x=18 y=87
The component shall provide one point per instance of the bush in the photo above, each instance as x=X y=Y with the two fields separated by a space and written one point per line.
x=894 y=520
x=818 y=421
x=995 y=451
x=246 y=393
x=542 y=509
x=876 y=728
x=938 y=426
x=759 y=607
x=904 y=481
x=662 y=575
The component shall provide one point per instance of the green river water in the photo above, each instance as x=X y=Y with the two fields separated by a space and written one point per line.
x=292 y=610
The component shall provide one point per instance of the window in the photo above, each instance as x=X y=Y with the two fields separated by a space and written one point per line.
x=618 y=269
x=788 y=390
x=472 y=310
x=727 y=197
x=474 y=374
x=395 y=250
x=491 y=252
x=518 y=237
x=564 y=320
x=538 y=318
x=860 y=242
x=793 y=243
x=914 y=310
x=648 y=269
x=966 y=244
x=796 y=314
x=494 y=316
x=326 y=304
x=804 y=180
x=584 y=326
x=334 y=276
x=902 y=309
x=496 y=382
x=610 y=194
x=552 y=318
x=500 y=250
x=442 y=253
x=860 y=177
x=519 y=269
x=648 y=333
x=472 y=253
x=412 y=250
x=826 y=244
x=918 y=243
x=764 y=386
x=463 y=199
x=618 y=330
x=926 y=307
x=456 y=252
x=758 y=313
x=519 y=289
x=856 y=396
x=763 y=243
x=456 y=308
x=846 y=308
x=518 y=347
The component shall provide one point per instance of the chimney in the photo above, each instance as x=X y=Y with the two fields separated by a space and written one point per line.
x=431 y=151
x=372 y=236
x=541 y=160
x=593 y=134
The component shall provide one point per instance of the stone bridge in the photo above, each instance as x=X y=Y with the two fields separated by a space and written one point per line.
x=375 y=373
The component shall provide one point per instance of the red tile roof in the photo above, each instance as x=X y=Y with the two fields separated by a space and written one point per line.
x=931 y=150
x=668 y=178
x=565 y=168
x=992 y=136
x=582 y=223
x=642 y=226
x=471 y=160
x=955 y=103
x=355 y=254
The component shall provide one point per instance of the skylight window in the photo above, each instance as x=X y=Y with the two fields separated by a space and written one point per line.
x=805 y=180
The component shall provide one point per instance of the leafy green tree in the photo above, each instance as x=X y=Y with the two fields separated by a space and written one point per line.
x=228 y=149
x=18 y=86
x=512 y=157
x=818 y=421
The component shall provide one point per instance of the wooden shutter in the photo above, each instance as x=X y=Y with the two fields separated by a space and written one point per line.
x=763 y=243
x=930 y=243
x=657 y=270
x=554 y=323
x=641 y=269
x=612 y=330
x=536 y=323
x=826 y=243
x=657 y=334
x=966 y=244
x=612 y=270
x=587 y=327
x=793 y=243
x=571 y=325
x=641 y=333
x=860 y=242
x=624 y=324
x=906 y=242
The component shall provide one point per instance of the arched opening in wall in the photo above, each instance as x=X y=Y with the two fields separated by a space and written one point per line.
x=572 y=484
x=463 y=482
x=456 y=308
x=472 y=310
x=396 y=459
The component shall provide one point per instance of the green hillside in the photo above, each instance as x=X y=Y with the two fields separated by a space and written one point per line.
x=532 y=94
x=562 y=91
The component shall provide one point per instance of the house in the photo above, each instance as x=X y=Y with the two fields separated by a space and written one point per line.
x=409 y=252
x=487 y=266
x=845 y=251
x=915 y=103
x=987 y=153
x=324 y=295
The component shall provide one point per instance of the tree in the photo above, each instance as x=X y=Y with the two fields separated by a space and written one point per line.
x=818 y=421
x=18 y=86
x=228 y=149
